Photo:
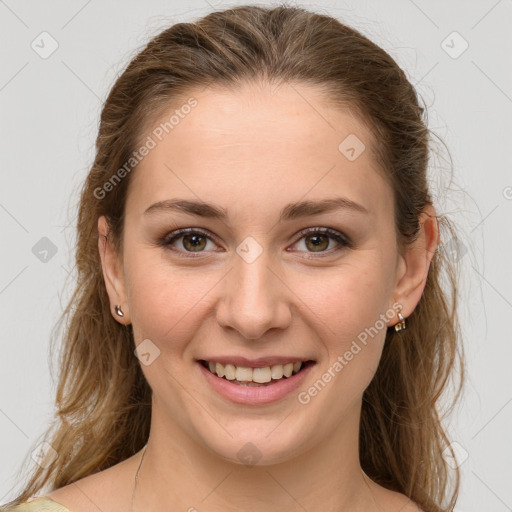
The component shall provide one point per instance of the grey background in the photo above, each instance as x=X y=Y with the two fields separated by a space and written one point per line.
x=49 y=116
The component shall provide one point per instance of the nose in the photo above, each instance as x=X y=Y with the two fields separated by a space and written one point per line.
x=254 y=299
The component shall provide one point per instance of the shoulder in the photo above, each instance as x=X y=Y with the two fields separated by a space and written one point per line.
x=410 y=506
x=109 y=489
x=41 y=504
x=393 y=501
x=105 y=490
x=402 y=503
x=405 y=504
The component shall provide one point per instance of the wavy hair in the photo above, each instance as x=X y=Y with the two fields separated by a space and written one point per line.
x=103 y=402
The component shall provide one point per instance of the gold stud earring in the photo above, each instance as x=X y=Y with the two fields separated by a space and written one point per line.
x=401 y=323
x=119 y=312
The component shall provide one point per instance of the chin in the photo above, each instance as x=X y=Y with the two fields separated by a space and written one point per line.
x=254 y=443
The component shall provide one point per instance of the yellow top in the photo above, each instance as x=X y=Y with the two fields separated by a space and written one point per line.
x=41 y=504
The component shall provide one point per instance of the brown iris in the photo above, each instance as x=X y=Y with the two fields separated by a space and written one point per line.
x=197 y=242
x=317 y=242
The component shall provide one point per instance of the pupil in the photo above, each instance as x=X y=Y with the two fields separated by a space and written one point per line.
x=318 y=241
x=195 y=241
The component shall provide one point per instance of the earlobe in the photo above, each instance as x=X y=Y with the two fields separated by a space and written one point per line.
x=413 y=269
x=112 y=273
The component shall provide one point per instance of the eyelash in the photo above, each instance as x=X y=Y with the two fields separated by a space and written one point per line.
x=344 y=241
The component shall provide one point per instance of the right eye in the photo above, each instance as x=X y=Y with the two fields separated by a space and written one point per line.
x=192 y=240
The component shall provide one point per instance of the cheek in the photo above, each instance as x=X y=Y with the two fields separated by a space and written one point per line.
x=165 y=302
x=352 y=328
x=350 y=298
x=349 y=310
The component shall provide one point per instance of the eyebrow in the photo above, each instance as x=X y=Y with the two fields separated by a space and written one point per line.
x=289 y=212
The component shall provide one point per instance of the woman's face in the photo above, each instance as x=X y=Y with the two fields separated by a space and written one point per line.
x=257 y=287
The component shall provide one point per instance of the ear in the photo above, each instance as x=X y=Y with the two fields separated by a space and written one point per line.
x=112 y=272
x=413 y=266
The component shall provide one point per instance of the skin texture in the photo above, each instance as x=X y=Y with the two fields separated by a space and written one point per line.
x=252 y=151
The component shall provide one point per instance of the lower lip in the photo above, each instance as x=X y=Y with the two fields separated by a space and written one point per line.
x=255 y=395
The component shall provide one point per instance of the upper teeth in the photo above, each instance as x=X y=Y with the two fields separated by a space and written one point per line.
x=260 y=375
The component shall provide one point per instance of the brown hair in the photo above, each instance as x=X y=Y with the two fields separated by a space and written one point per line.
x=103 y=400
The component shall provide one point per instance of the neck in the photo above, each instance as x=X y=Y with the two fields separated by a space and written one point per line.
x=179 y=473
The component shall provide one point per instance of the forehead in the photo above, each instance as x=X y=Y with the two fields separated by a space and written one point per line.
x=271 y=143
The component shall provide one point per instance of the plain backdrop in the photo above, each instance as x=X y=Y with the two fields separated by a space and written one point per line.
x=456 y=53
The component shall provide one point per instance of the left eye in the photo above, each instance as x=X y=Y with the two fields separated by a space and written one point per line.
x=317 y=240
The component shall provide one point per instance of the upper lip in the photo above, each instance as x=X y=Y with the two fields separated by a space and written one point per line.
x=259 y=362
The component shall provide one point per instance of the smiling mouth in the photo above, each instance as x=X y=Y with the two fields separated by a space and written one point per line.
x=265 y=376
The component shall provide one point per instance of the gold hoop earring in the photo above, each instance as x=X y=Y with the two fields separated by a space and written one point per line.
x=119 y=312
x=400 y=324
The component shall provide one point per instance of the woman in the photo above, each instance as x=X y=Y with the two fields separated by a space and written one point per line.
x=259 y=322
